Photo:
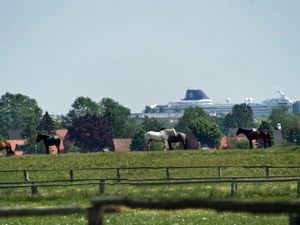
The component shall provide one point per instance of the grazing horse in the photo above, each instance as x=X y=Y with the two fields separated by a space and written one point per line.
x=162 y=136
x=254 y=135
x=7 y=146
x=49 y=141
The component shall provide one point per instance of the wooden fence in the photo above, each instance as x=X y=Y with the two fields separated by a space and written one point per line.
x=219 y=169
x=103 y=183
x=269 y=176
x=100 y=206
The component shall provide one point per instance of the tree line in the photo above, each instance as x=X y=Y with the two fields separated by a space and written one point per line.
x=92 y=125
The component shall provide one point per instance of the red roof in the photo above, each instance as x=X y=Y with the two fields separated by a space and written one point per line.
x=14 y=143
x=122 y=144
x=62 y=133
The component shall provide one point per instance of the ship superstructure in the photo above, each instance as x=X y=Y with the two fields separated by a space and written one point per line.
x=197 y=98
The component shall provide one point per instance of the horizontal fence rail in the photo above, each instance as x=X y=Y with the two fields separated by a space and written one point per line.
x=42 y=211
x=258 y=207
x=100 y=206
x=102 y=183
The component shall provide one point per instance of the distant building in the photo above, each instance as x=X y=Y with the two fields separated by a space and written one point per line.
x=296 y=107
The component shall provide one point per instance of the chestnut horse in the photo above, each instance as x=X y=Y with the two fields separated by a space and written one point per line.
x=6 y=145
x=49 y=141
x=254 y=135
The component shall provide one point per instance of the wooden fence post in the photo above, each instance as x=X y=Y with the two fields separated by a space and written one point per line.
x=267 y=171
x=295 y=219
x=233 y=188
x=71 y=175
x=26 y=175
x=102 y=186
x=34 y=189
x=94 y=215
x=219 y=172
x=167 y=173
x=298 y=188
x=118 y=174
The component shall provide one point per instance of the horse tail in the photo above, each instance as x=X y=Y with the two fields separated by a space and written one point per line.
x=146 y=136
x=183 y=138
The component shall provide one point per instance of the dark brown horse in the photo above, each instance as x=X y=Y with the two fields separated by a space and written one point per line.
x=49 y=141
x=7 y=146
x=180 y=137
x=254 y=135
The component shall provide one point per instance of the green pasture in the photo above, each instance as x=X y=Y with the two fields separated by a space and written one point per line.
x=81 y=195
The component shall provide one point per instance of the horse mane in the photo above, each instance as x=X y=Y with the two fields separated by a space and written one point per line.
x=167 y=131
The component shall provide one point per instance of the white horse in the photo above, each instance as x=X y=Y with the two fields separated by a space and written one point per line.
x=162 y=136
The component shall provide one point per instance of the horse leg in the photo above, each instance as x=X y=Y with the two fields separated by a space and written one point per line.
x=250 y=143
x=47 y=149
x=269 y=140
x=165 y=143
x=9 y=151
x=184 y=144
x=170 y=145
x=265 y=142
x=148 y=144
x=58 y=149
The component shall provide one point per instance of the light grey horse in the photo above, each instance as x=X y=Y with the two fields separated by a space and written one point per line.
x=162 y=136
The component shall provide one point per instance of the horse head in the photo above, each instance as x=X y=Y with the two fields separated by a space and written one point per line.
x=40 y=137
x=169 y=132
x=239 y=131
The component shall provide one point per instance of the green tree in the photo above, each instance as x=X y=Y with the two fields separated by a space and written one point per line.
x=199 y=123
x=138 y=141
x=47 y=125
x=132 y=127
x=278 y=115
x=151 y=124
x=288 y=120
x=206 y=131
x=91 y=132
x=189 y=115
x=117 y=115
x=294 y=135
x=220 y=121
x=241 y=116
x=19 y=112
x=81 y=107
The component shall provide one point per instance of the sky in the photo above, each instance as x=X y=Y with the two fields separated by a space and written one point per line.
x=143 y=52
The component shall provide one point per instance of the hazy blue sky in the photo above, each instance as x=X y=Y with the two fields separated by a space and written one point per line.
x=141 y=52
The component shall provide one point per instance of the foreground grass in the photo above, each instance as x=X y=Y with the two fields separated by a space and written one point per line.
x=81 y=195
x=151 y=217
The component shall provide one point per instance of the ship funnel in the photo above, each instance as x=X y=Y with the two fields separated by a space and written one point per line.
x=195 y=94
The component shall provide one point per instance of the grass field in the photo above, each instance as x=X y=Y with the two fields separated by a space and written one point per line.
x=81 y=195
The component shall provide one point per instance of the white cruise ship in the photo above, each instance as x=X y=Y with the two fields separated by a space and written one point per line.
x=197 y=98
